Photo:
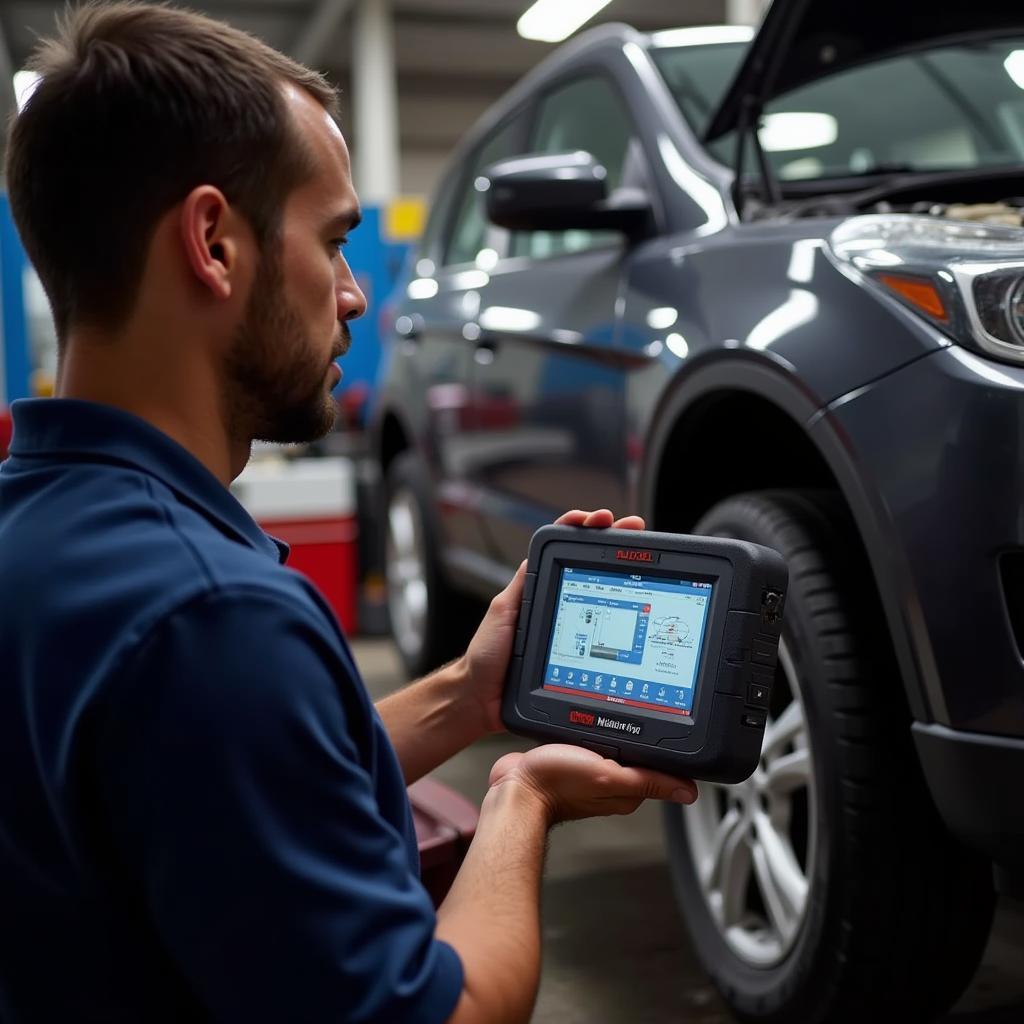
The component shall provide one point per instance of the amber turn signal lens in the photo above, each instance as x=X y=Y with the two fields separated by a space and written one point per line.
x=918 y=292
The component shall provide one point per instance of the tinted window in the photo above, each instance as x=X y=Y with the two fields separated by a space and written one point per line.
x=471 y=230
x=588 y=114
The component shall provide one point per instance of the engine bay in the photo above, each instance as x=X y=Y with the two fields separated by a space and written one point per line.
x=985 y=197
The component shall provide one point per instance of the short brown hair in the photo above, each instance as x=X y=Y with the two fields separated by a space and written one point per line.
x=137 y=105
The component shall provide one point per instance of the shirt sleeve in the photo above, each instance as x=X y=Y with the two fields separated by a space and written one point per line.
x=235 y=769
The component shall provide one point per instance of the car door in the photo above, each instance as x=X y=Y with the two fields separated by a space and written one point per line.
x=547 y=378
x=441 y=299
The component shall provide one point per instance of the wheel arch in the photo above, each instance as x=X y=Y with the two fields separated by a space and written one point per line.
x=733 y=417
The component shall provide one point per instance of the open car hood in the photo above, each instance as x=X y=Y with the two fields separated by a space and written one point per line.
x=802 y=40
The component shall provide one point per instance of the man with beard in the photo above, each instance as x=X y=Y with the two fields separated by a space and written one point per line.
x=202 y=817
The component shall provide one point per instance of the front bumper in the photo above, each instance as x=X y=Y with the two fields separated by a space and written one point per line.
x=976 y=782
x=938 y=448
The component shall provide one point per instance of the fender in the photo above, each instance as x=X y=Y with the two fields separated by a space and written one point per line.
x=773 y=381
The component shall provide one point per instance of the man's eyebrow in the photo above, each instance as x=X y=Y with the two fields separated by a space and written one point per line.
x=348 y=220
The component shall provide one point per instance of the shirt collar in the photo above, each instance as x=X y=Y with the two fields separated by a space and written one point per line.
x=88 y=431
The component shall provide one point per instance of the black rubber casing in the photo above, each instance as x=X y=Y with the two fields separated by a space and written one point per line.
x=721 y=740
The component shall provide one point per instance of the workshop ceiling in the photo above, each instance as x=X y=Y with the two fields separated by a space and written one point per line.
x=453 y=57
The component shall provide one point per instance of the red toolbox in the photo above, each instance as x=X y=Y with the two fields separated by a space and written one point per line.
x=6 y=430
x=311 y=505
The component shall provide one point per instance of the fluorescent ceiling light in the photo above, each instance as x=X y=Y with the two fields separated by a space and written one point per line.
x=470 y=279
x=677 y=345
x=662 y=317
x=703 y=35
x=797 y=130
x=487 y=259
x=508 y=318
x=1014 y=65
x=422 y=288
x=551 y=21
x=24 y=85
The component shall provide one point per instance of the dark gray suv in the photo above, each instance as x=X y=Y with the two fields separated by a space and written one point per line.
x=772 y=289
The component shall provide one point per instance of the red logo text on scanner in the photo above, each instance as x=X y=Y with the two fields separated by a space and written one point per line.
x=581 y=718
x=631 y=555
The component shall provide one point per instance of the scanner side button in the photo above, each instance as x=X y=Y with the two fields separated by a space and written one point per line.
x=757 y=694
x=519 y=644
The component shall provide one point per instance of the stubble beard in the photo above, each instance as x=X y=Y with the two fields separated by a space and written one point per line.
x=276 y=385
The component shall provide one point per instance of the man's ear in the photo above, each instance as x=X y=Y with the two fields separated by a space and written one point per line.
x=211 y=236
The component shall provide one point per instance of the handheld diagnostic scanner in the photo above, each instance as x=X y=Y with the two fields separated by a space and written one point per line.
x=655 y=649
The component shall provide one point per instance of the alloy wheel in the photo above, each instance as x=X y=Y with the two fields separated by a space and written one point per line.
x=408 y=595
x=754 y=844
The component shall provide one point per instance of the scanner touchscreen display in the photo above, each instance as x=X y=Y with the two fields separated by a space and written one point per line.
x=628 y=639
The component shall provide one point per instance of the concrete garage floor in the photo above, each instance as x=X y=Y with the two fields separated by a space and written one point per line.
x=614 y=949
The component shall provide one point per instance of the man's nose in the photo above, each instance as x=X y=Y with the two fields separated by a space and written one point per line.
x=351 y=300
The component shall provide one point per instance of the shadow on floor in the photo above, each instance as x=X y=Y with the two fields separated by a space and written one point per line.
x=614 y=949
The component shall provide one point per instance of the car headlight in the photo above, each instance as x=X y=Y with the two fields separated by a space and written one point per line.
x=965 y=278
x=1015 y=313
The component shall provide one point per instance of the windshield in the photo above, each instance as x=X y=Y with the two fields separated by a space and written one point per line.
x=942 y=109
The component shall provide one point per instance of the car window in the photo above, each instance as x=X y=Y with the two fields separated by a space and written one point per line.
x=950 y=107
x=698 y=77
x=587 y=114
x=472 y=229
x=439 y=211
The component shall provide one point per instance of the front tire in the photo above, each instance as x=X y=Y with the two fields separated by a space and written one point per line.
x=826 y=888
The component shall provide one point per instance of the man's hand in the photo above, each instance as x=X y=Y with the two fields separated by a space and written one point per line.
x=491 y=913
x=437 y=717
x=486 y=660
x=575 y=783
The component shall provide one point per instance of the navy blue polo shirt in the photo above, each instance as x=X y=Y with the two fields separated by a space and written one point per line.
x=201 y=816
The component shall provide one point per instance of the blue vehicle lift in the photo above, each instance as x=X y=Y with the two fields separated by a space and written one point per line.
x=376 y=252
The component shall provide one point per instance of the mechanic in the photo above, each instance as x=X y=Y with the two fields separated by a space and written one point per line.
x=202 y=816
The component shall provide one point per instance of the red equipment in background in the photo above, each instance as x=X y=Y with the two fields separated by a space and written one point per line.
x=6 y=431
x=311 y=505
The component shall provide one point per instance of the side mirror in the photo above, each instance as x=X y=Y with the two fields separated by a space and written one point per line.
x=560 y=191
